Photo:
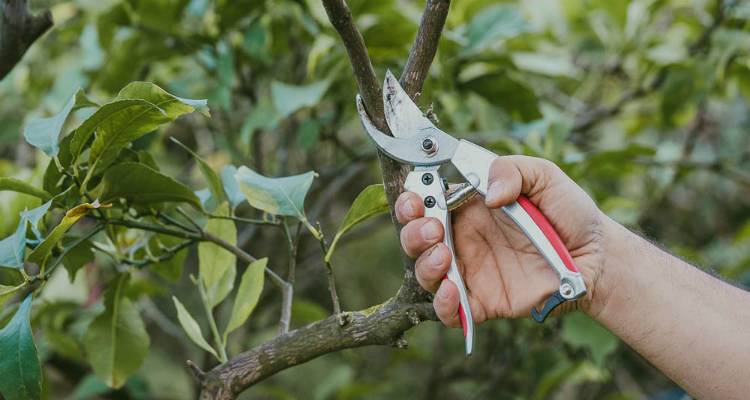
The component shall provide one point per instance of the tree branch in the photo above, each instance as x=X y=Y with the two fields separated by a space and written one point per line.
x=425 y=46
x=18 y=30
x=379 y=325
x=383 y=324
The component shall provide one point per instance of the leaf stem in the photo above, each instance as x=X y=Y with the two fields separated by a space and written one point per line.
x=286 y=304
x=221 y=346
x=331 y=280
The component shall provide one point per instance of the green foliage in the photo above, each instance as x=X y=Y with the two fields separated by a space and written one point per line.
x=643 y=103
x=20 y=373
x=116 y=342
x=247 y=295
x=191 y=328
x=44 y=133
x=20 y=186
x=40 y=253
x=288 y=98
x=369 y=203
x=582 y=331
x=140 y=185
x=216 y=264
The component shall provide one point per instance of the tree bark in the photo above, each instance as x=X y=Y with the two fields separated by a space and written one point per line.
x=383 y=324
x=18 y=30
x=378 y=325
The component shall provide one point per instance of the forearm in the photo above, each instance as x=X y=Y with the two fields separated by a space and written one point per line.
x=690 y=325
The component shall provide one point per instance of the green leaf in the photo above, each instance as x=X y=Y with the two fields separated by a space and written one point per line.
x=231 y=187
x=44 y=133
x=216 y=265
x=172 y=105
x=583 y=332
x=247 y=295
x=116 y=341
x=551 y=64
x=191 y=328
x=289 y=98
x=262 y=116
x=20 y=372
x=7 y=291
x=279 y=196
x=494 y=24
x=214 y=182
x=138 y=115
x=40 y=253
x=150 y=108
x=35 y=215
x=17 y=185
x=369 y=202
x=141 y=185
x=77 y=256
x=13 y=247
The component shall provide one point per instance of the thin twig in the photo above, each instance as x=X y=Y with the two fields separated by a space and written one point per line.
x=286 y=304
x=51 y=268
x=245 y=258
x=253 y=221
x=331 y=279
x=173 y=222
x=166 y=255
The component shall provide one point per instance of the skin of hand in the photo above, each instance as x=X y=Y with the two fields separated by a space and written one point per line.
x=690 y=325
x=503 y=272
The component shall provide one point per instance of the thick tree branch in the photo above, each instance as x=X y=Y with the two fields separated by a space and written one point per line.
x=379 y=325
x=367 y=82
x=425 y=46
x=18 y=30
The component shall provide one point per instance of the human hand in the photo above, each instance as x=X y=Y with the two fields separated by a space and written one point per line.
x=503 y=272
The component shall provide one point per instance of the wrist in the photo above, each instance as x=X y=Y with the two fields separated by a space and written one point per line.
x=604 y=277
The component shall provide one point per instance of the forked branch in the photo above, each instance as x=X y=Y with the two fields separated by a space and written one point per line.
x=379 y=325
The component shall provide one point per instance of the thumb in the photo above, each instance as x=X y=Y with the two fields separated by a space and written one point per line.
x=511 y=176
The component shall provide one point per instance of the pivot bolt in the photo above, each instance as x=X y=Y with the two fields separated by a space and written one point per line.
x=429 y=145
x=427 y=179
x=566 y=290
x=429 y=202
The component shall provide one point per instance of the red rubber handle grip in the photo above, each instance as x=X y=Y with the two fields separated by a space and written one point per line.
x=549 y=231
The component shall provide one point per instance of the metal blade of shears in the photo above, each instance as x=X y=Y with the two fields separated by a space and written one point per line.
x=403 y=116
x=411 y=150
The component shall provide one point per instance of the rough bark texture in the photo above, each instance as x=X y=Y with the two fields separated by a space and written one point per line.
x=379 y=325
x=18 y=30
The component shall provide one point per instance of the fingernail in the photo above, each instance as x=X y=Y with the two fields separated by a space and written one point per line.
x=494 y=192
x=408 y=209
x=430 y=231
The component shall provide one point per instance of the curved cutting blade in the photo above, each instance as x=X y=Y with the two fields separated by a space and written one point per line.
x=403 y=116
x=409 y=150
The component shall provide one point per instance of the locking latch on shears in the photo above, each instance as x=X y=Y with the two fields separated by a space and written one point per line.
x=419 y=143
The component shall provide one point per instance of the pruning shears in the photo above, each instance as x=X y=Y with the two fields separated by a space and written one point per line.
x=418 y=142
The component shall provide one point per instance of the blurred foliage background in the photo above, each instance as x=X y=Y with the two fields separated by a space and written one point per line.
x=644 y=103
